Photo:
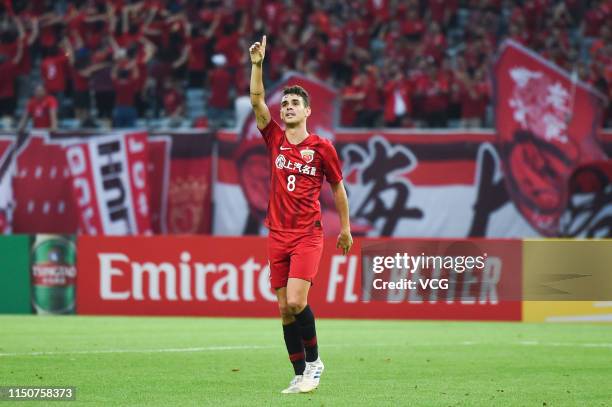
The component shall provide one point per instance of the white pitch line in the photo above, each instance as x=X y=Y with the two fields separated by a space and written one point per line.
x=167 y=350
x=537 y=343
x=581 y=345
x=254 y=347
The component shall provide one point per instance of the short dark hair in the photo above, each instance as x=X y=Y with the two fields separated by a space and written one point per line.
x=297 y=90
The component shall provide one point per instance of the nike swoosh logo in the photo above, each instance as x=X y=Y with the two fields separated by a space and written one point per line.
x=285 y=148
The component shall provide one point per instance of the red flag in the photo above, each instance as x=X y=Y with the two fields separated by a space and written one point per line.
x=110 y=184
x=180 y=180
x=7 y=171
x=42 y=188
x=589 y=205
x=546 y=123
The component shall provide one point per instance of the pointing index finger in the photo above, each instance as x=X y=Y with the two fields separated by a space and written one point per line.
x=263 y=42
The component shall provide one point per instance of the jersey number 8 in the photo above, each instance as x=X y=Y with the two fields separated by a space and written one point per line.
x=290 y=183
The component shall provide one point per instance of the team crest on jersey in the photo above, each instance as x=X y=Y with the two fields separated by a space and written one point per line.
x=280 y=161
x=307 y=155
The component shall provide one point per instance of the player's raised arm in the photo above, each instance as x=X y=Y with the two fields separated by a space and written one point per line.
x=258 y=101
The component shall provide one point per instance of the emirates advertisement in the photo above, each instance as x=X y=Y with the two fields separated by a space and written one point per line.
x=229 y=276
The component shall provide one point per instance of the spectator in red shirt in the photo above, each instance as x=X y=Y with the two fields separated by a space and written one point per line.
x=30 y=36
x=178 y=52
x=141 y=53
x=54 y=72
x=434 y=89
x=42 y=108
x=413 y=27
x=228 y=44
x=474 y=99
x=10 y=58
x=97 y=24
x=357 y=29
x=595 y=17
x=434 y=42
x=220 y=85
x=50 y=26
x=81 y=69
x=371 y=116
x=174 y=102
x=442 y=11
x=519 y=35
x=335 y=52
x=125 y=82
x=397 y=100
x=199 y=45
x=101 y=83
x=605 y=37
x=352 y=101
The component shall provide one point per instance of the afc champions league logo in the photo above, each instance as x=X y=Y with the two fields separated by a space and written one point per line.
x=307 y=155
x=280 y=161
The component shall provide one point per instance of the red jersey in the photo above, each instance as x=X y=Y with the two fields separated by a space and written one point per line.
x=220 y=81
x=297 y=172
x=125 y=90
x=54 y=73
x=197 y=54
x=40 y=110
x=8 y=73
x=172 y=101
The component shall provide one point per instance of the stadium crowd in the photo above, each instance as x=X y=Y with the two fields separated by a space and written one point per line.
x=394 y=62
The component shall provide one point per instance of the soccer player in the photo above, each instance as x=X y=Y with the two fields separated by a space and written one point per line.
x=299 y=162
x=42 y=108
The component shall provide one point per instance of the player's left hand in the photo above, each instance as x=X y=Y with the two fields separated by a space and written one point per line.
x=345 y=241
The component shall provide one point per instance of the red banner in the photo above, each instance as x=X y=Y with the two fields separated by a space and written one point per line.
x=181 y=173
x=588 y=211
x=109 y=179
x=547 y=124
x=7 y=169
x=178 y=168
x=229 y=277
x=400 y=183
x=42 y=188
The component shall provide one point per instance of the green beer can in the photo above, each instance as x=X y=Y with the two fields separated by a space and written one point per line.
x=53 y=274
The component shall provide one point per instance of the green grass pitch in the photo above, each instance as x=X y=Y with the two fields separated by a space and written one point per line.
x=130 y=361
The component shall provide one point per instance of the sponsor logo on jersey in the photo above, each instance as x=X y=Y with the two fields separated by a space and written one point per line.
x=307 y=155
x=283 y=163
x=280 y=161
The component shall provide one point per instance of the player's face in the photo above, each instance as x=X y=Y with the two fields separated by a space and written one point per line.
x=292 y=109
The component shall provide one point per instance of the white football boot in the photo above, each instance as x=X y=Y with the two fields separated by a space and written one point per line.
x=294 y=385
x=312 y=376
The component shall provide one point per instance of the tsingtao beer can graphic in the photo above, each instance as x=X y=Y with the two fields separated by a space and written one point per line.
x=53 y=274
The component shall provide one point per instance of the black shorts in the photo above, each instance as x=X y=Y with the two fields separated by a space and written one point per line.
x=8 y=106
x=105 y=102
x=82 y=100
x=197 y=79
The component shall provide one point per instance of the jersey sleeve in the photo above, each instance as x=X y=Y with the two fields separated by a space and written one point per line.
x=272 y=133
x=331 y=164
x=52 y=102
